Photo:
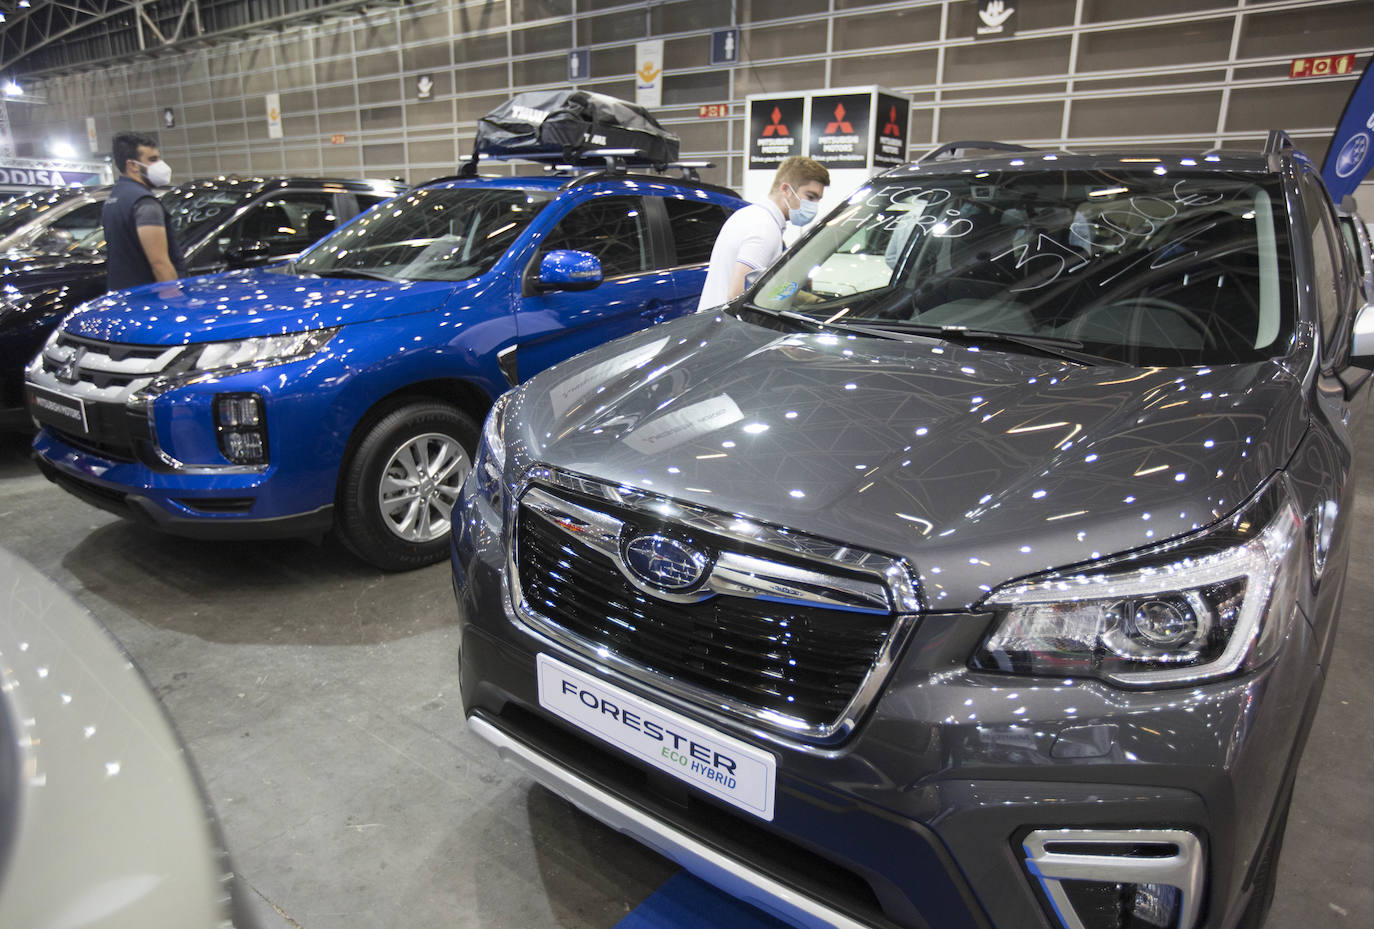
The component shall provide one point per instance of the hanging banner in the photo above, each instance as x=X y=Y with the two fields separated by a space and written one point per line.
x=777 y=129
x=1351 y=152
x=91 y=136
x=274 y=116
x=891 y=120
x=649 y=73
x=839 y=130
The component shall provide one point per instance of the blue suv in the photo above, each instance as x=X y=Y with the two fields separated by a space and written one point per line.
x=345 y=390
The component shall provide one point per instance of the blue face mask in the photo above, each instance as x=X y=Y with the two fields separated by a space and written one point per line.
x=803 y=212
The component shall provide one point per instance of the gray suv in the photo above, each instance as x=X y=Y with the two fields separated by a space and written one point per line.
x=977 y=567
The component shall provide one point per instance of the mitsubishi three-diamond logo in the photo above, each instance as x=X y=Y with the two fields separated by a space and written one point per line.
x=890 y=127
x=840 y=125
x=776 y=127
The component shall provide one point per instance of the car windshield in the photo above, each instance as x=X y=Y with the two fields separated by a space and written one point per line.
x=1137 y=267
x=26 y=208
x=198 y=208
x=431 y=234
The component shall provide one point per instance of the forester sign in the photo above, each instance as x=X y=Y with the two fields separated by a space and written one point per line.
x=1351 y=152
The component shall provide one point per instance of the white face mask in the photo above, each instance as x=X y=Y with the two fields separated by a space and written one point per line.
x=159 y=173
x=803 y=212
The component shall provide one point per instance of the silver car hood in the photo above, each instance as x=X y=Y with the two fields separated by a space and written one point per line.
x=102 y=824
x=978 y=466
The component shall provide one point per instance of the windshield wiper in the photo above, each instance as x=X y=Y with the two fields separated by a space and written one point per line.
x=1066 y=349
x=354 y=273
x=1069 y=349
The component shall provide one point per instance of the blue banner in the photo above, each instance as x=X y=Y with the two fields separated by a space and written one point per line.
x=1351 y=153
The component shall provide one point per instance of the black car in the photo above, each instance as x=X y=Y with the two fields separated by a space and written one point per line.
x=977 y=567
x=222 y=223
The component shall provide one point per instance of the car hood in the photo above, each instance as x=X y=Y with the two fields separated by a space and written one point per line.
x=244 y=304
x=978 y=466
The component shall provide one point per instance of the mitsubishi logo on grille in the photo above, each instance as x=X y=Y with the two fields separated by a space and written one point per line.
x=66 y=371
x=664 y=562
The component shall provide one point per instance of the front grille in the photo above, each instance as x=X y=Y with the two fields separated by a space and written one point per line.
x=771 y=659
x=105 y=370
x=115 y=432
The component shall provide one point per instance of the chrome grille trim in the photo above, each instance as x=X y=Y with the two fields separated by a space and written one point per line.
x=897 y=575
x=889 y=587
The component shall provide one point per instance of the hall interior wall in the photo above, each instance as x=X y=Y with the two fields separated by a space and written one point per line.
x=1083 y=74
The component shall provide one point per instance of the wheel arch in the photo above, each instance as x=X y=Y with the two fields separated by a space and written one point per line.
x=465 y=395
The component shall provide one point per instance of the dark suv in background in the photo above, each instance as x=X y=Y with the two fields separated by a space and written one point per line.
x=222 y=223
x=977 y=567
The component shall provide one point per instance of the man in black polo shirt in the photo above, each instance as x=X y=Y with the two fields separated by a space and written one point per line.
x=140 y=245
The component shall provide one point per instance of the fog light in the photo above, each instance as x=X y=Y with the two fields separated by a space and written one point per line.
x=241 y=427
x=1119 y=879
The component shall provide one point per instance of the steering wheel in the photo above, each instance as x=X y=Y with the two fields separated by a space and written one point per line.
x=1139 y=307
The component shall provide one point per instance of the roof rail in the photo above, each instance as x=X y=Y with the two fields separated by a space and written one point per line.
x=952 y=148
x=1274 y=147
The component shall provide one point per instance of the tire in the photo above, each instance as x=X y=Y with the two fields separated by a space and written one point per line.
x=393 y=511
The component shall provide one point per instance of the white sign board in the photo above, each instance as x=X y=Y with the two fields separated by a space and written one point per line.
x=274 y=116
x=649 y=73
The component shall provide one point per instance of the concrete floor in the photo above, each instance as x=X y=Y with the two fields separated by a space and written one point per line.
x=320 y=702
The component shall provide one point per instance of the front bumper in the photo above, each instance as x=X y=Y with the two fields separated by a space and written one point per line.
x=919 y=818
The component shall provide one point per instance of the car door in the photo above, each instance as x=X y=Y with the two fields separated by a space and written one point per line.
x=1325 y=471
x=693 y=224
x=275 y=227
x=554 y=323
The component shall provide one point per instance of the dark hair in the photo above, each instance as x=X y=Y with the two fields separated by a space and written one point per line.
x=125 y=148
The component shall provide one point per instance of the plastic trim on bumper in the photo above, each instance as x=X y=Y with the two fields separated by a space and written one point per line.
x=732 y=875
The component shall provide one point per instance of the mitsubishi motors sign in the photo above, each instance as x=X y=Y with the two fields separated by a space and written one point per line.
x=891 y=120
x=839 y=130
x=777 y=130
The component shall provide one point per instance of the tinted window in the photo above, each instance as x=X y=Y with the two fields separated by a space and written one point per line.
x=283 y=224
x=611 y=228
x=1138 y=267
x=431 y=234
x=198 y=209
x=73 y=230
x=695 y=225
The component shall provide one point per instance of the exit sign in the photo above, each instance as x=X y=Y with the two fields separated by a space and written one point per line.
x=1322 y=67
x=713 y=110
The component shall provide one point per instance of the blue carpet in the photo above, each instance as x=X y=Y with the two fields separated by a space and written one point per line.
x=684 y=902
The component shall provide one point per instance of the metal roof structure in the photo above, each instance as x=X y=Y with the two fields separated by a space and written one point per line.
x=39 y=37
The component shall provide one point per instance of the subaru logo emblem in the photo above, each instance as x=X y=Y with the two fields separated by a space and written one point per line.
x=664 y=562
x=1352 y=155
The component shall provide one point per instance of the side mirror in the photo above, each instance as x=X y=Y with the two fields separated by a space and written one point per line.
x=1362 y=338
x=565 y=269
x=249 y=255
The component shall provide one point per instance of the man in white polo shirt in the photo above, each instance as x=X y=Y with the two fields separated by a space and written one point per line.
x=751 y=239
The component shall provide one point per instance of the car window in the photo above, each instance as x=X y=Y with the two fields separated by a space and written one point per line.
x=611 y=228
x=28 y=207
x=367 y=201
x=283 y=224
x=432 y=234
x=197 y=209
x=695 y=225
x=74 y=229
x=1327 y=256
x=1140 y=267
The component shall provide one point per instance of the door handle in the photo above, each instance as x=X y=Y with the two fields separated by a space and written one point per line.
x=655 y=311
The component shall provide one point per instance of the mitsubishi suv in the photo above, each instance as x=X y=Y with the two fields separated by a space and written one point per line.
x=977 y=567
x=221 y=223
x=345 y=391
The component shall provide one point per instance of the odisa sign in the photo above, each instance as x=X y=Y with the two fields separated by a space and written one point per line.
x=42 y=177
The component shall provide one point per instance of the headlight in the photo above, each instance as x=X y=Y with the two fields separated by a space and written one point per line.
x=219 y=358
x=1200 y=609
x=491 y=457
x=211 y=360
